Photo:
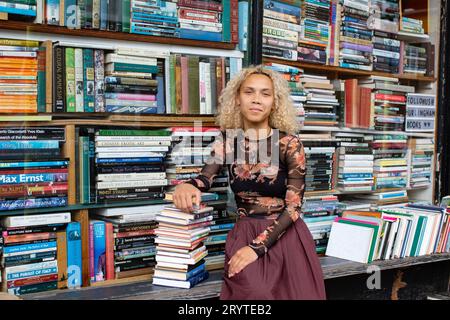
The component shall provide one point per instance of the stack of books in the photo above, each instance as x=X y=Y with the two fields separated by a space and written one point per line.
x=408 y=231
x=386 y=52
x=412 y=25
x=19 y=8
x=202 y=20
x=32 y=172
x=320 y=156
x=384 y=15
x=21 y=66
x=379 y=200
x=355 y=171
x=415 y=59
x=315 y=31
x=420 y=162
x=122 y=242
x=181 y=249
x=321 y=103
x=133 y=82
x=355 y=36
x=33 y=249
x=390 y=161
x=293 y=77
x=320 y=228
x=281 y=28
x=132 y=166
x=154 y=19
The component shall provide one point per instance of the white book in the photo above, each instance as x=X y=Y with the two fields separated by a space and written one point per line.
x=171 y=283
x=201 y=87
x=181 y=260
x=356 y=157
x=36 y=219
x=79 y=84
x=355 y=170
x=207 y=67
x=114 y=57
x=189 y=255
x=132 y=184
x=350 y=242
x=133 y=138
x=31 y=252
x=390 y=241
x=130 y=155
x=110 y=212
x=134 y=103
x=32 y=266
x=360 y=163
x=182 y=222
x=132 y=143
x=114 y=149
x=131 y=176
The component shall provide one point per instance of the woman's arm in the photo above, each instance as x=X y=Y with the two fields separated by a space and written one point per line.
x=294 y=156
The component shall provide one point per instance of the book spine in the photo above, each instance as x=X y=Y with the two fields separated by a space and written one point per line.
x=70 y=79
x=59 y=81
x=99 y=251
x=52 y=12
x=126 y=16
x=91 y=252
x=99 y=58
x=103 y=14
x=79 y=96
x=89 y=80
x=96 y=14
x=74 y=268
x=70 y=14
x=109 y=255
x=41 y=80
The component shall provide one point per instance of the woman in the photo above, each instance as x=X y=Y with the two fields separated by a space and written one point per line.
x=270 y=253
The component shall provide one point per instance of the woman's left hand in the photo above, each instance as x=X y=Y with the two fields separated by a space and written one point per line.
x=242 y=258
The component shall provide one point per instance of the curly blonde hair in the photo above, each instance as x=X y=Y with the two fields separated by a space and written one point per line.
x=283 y=117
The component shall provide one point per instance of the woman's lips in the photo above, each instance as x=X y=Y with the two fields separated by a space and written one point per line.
x=254 y=109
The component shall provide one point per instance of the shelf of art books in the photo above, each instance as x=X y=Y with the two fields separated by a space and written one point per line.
x=346 y=72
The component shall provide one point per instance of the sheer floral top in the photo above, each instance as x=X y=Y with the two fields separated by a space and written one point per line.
x=267 y=177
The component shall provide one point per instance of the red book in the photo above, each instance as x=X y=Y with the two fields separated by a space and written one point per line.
x=351 y=103
x=91 y=252
x=109 y=255
x=32 y=280
x=205 y=5
x=194 y=129
x=390 y=97
x=365 y=103
x=234 y=21
x=29 y=237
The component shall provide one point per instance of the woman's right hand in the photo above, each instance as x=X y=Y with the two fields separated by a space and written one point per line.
x=185 y=196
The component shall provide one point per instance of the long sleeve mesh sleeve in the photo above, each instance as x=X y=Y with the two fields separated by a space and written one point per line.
x=294 y=158
x=212 y=167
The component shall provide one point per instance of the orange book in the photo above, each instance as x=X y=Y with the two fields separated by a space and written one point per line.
x=362 y=213
x=18 y=72
x=18 y=81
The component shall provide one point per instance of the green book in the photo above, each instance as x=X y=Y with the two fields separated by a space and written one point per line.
x=193 y=77
x=420 y=228
x=172 y=88
x=88 y=80
x=70 y=79
x=106 y=132
x=129 y=67
x=226 y=21
x=126 y=16
x=41 y=81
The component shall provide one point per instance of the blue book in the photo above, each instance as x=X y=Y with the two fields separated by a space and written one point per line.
x=319 y=219
x=198 y=278
x=282 y=7
x=221 y=226
x=200 y=35
x=29 y=247
x=131 y=160
x=30 y=164
x=33 y=273
x=33 y=203
x=195 y=271
x=52 y=12
x=99 y=235
x=104 y=15
x=243 y=25
x=22 y=12
x=32 y=178
x=160 y=96
x=42 y=144
x=70 y=13
x=131 y=109
x=74 y=267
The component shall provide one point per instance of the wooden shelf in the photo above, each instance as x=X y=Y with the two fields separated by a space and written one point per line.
x=108 y=119
x=368 y=131
x=44 y=28
x=338 y=71
x=332 y=268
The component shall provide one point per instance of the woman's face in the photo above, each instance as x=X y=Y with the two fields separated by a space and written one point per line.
x=256 y=98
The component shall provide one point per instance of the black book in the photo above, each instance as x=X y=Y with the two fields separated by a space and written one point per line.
x=59 y=80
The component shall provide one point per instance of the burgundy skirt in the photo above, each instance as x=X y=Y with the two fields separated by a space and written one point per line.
x=290 y=270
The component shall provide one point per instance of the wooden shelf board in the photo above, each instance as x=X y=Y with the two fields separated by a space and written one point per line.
x=44 y=28
x=346 y=71
x=332 y=268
